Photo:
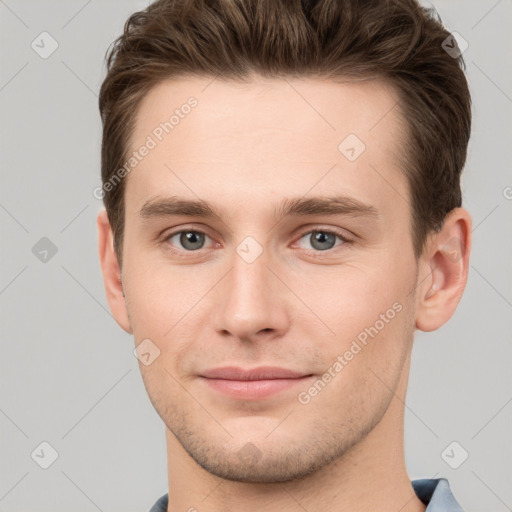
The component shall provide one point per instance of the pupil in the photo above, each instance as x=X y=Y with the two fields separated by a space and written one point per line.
x=322 y=238
x=190 y=238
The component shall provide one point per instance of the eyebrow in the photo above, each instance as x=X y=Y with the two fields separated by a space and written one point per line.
x=299 y=207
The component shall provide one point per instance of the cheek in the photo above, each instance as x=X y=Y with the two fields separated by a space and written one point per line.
x=160 y=295
x=368 y=310
x=167 y=305
x=352 y=297
x=363 y=369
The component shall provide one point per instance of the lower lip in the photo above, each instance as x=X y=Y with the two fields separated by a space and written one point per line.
x=253 y=389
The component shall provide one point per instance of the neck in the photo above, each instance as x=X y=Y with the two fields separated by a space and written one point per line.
x=370 y=476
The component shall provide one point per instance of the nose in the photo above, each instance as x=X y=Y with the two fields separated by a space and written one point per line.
x=252 y=302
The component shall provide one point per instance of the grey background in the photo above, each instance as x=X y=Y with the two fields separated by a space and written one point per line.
x=68 y=374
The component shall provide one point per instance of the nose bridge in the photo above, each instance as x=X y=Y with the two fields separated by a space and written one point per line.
x=250 y=300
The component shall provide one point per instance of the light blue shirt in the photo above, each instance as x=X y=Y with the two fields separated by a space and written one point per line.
x=435 y=493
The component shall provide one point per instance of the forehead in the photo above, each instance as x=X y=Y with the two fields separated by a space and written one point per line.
x=267 y=135
x=306 y=106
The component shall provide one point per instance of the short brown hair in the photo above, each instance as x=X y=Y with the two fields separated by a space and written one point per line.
x=397 y=40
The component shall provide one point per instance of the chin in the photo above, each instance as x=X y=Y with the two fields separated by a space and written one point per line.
x=282 y=459
x=264 y=471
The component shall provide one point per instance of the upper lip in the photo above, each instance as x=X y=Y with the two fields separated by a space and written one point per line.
x=259 y=373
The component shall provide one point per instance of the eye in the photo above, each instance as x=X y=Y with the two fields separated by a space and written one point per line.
x=323 y=239
x=320 y=240
x=189 y=239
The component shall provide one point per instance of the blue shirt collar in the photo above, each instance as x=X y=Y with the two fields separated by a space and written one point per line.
x=435 y=493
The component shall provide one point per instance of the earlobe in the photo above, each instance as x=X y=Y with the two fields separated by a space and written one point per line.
x=112 y=273
x=446 y=259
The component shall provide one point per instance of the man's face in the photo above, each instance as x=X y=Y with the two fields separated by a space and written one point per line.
x=259 y=289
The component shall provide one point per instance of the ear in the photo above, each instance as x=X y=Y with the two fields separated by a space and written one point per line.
x=112 y=273
x=443 y=274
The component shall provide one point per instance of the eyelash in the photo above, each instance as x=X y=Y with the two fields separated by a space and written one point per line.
x=345 y=240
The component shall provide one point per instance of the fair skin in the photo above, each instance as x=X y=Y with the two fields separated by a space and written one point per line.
x=243 y=150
